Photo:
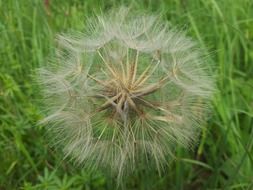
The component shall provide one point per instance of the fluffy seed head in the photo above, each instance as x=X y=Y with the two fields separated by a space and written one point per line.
x=125 y=92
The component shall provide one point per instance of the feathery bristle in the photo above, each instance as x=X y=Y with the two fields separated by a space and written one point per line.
x=127 y=93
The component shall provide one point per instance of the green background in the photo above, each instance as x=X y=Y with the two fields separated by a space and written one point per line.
x=223 y=159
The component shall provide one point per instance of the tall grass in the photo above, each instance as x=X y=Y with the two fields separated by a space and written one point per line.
x=223 y=159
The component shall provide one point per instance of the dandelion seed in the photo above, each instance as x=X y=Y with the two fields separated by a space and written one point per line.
x=126 y=93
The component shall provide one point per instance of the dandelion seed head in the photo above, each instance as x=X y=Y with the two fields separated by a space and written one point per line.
x=126 y=91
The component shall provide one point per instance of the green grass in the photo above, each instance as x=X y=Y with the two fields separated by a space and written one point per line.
x=223 y=159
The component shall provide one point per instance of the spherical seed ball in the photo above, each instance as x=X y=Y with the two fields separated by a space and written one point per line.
x=125 y=92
